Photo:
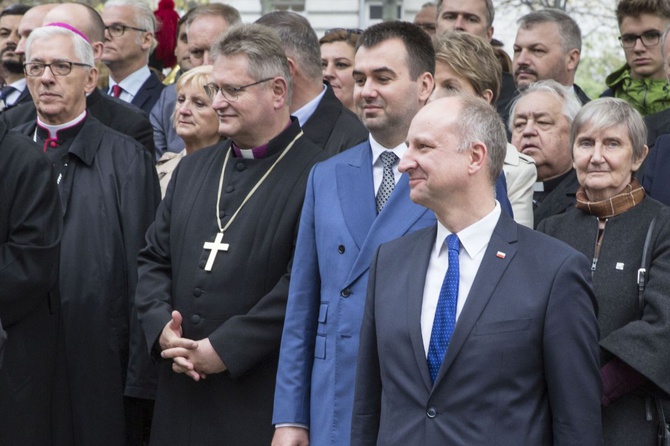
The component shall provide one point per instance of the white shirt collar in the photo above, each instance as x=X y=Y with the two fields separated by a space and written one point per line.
x=474 y=238
x=133 y=82
x=377 y=149
x=20 y=85
x=306 y=111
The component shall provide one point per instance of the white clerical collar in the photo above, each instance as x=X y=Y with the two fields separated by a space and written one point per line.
x=377 y=149
x=306 y=111
x=54 y=129
x=475 y=237
x=133 y=82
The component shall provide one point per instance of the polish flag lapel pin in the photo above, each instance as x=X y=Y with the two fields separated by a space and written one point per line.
x=500 y=255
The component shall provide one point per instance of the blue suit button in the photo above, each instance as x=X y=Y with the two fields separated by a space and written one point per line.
x=195 y=318
x=340 y=249
x=431 y=412
x=345 y=292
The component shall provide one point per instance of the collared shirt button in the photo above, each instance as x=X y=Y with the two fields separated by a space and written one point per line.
x=195 y=318
x=340 y=249
x=431 y=412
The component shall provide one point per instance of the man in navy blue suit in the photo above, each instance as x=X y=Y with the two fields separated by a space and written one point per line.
x=489 y=338
x=130 y=28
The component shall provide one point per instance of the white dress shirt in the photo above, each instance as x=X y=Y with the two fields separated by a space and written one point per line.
x=131 y=84
x=306 y=111
x=474 y=241
x=378 y=167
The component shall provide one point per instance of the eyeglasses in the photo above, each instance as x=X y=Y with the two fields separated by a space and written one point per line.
x=230 y=94
x=34 y=69
x=118 y=30
x=349 y=31
x=648 y=38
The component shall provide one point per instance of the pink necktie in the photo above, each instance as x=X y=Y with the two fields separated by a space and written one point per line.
x=116 y=90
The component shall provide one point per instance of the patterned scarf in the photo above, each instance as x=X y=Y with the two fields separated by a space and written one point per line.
x=631 y=195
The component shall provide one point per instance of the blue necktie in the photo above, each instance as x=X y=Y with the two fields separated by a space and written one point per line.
x=6 y=91
x=445 y=314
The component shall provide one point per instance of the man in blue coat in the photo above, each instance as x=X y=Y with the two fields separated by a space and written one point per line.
x=343 y=221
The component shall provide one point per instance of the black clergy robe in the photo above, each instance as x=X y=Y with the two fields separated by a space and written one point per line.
x=30 y=232
x=240 y=304
x=109 y=193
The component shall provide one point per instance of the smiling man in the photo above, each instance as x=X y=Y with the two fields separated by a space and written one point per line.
x=214 y=275
x=540 y=126
x=109 y=191
x=465 y=337
x=642 y=81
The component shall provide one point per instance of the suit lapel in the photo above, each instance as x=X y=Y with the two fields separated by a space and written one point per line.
x=320 y=125
x=397 y=217
x=354 y=181
x=417 y=267
x=489 y=274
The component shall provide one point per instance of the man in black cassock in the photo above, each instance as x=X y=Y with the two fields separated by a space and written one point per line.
x=214 y=276
x=30 y=232
x=109 y=192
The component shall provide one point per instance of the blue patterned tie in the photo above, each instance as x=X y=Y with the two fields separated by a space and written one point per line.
x=445 y=314
x=388 y=179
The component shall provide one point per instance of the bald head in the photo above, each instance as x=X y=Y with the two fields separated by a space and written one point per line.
x=85 y=19
x=32 y=19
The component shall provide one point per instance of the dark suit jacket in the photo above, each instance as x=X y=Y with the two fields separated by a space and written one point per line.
x=333 y=127
x=559 y=200
x=30 y=234
x=658 y=124
x=522 y=365
x=112 y=112
x=148 y=93
x=23 y=98
x=655 y=179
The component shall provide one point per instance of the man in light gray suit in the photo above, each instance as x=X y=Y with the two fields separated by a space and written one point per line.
x=491 y=340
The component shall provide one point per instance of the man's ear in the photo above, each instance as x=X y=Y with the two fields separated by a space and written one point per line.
x=91 y=80
x=478 y=155
x=279 y=92
x=426 y=85
x=573 y=60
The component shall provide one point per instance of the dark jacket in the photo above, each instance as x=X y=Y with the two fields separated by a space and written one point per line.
x=109 y=195
x=30 y=235
x=639 y=340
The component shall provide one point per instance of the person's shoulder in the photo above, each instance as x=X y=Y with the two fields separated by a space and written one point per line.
x=545 y=246
x=402 y=244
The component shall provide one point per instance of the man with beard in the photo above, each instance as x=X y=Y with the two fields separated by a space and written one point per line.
x=547 y=46
x=14 y=91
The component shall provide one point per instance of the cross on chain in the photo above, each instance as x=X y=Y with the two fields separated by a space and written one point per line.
x=215 y=247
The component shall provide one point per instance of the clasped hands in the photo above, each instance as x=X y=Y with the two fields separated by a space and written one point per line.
x=196 y=359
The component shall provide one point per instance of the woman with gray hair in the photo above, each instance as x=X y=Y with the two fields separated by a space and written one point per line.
x=627 y=236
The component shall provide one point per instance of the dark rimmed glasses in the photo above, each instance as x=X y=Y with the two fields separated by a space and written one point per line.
x=117 y=30
x=648 y=38
x=63 y=68
x=230 y=94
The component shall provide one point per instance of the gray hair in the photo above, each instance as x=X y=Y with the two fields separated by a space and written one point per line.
x=298 y=40
x=571 y=104
x=479 y=122
x=490 y=11
x=263 y=49
x=605 y=113
x=226 y=12
x=144 y=15
x=571 y=35
x=82 y=49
